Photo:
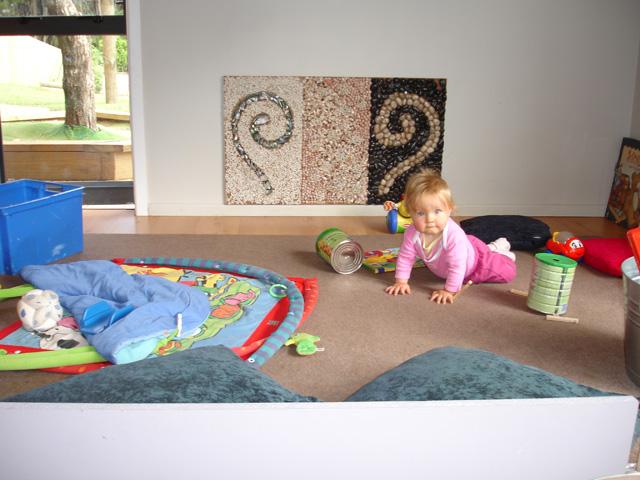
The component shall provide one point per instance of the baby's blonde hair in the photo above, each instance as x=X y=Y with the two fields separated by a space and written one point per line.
x=427 y=182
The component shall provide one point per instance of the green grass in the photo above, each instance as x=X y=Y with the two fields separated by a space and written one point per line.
x=58 y=131
x=51 y=98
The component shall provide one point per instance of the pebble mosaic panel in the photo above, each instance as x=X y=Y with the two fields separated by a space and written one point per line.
x=329 y=140
x=335 y=140
x=264 y=114
x=407 y=127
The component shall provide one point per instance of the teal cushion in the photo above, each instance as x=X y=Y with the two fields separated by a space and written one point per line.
x=200 y=375
x=453 y=373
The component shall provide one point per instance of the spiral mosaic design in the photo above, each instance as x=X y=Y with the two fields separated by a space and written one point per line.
x=356 y=139
x=257 y=122
x=407 y=126
x=389 y=139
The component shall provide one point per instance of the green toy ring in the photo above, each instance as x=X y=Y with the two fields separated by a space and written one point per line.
x=278 y=290
x=50 y=358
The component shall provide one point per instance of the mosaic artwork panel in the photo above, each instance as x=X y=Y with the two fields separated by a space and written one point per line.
x=407 y=133
x=329 y=140
x=335 y=140
x=263 y=162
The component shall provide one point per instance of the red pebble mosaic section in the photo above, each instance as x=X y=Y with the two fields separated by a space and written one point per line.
x=335 y=140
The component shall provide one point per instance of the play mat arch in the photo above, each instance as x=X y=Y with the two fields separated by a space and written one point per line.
x=253 y=310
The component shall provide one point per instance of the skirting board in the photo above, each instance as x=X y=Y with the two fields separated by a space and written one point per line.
x=564 y=439
x=190 y=209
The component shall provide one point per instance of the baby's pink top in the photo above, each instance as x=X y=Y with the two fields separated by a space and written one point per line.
x=452 y=258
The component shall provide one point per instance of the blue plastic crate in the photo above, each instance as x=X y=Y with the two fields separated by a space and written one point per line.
x=40 y=222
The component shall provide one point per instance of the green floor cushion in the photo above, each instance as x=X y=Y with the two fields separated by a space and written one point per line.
x=200 y=375
x=452 y=373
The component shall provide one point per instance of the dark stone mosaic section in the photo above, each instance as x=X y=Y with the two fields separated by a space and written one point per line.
x=406 y=133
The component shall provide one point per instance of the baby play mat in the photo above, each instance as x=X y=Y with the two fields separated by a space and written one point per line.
x=253 y=311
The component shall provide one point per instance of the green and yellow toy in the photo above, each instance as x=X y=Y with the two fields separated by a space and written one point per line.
x=305 y=343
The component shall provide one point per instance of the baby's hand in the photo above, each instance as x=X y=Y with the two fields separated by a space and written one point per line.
x=401 y=288
x=442 y=296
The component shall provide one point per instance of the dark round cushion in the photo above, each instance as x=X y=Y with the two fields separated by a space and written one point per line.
x=523 y=233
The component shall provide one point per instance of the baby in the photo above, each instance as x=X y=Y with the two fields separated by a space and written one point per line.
x=443 y=246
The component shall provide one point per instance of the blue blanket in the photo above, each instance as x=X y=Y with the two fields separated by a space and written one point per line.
x=156 y=301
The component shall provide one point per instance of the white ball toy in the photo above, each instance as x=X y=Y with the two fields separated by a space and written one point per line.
x=39 y=310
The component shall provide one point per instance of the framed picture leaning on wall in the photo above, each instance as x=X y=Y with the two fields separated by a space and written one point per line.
x=623 y=206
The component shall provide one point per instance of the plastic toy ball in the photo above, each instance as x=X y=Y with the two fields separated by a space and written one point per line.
x=39 y=310
x=567 y=244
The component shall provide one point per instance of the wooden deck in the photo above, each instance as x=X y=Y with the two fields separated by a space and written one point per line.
x=68 y=160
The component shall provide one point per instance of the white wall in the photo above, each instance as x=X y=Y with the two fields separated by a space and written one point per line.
x=27 y=61
x=540 y=93
x=527 y=439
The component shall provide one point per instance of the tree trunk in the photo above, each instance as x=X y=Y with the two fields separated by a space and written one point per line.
x=109 y=53
x=35 y=10
x=77 y=72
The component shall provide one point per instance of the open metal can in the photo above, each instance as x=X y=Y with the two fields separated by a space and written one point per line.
x=338 y=250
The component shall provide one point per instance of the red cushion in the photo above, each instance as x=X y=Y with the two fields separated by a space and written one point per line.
x=606 y=254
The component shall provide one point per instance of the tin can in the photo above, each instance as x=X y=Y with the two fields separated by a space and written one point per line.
x=631 y=286
x=551 y=281
x=338 y=250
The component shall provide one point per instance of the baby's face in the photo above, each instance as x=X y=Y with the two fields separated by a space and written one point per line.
x=431 y=214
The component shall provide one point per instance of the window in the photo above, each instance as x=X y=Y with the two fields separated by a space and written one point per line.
x=64 y=113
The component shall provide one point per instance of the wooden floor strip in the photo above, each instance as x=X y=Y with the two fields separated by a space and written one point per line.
x=125 y=221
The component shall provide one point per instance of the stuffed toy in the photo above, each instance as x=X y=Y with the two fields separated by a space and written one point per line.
x=39 y=310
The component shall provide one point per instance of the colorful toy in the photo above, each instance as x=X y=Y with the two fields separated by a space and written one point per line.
x=13 y=344
x=398 y=218
x=305 y=343
x=382 y=261
x=567 y=244
x=247 y=312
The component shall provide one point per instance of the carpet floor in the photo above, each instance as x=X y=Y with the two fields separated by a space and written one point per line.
x=365 y=332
